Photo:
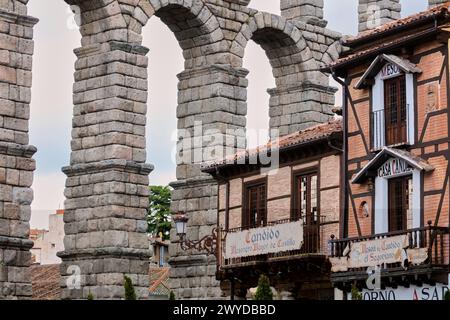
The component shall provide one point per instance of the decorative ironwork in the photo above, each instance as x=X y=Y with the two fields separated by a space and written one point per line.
x=206 y=244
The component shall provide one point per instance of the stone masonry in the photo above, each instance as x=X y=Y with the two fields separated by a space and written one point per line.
x=374 y=13
x=107 y=178
x=433 y=3
x=16 y=163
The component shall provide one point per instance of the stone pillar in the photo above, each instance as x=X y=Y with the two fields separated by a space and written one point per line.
x=374 y=13
x=299 y=106
x=211 y=113
x=16 y=163
x=434 y=3
x=107 y=180
x=307 y=11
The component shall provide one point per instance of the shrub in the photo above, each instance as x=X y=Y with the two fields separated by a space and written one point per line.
x=356 y=295
x=90 y=296
x=447 y=295
x=263 y=292
x=172 y=296
x=130 y=294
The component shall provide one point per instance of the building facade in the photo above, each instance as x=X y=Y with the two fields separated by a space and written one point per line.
x=394 y=242
x=47 y=243
x=278 y=205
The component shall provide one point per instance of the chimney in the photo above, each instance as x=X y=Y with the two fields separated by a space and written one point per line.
x=434 y=3
x=308 y=11
x=374 y=13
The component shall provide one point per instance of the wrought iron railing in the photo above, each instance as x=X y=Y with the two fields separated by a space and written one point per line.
x=312 y=235
x=433 y=238
x=388 y=134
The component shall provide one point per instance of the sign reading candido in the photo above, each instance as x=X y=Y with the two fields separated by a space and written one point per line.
x=272 y=239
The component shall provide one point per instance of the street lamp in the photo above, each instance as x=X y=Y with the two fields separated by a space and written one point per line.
x=206 y=244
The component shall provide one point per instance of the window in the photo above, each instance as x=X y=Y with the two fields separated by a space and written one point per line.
x=306 y=201
x=395 y=110
x=306 y=208
x=255 y=208
x=392 y=104
x=400 y=190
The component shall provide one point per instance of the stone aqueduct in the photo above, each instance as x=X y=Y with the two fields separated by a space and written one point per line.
x=107 y=179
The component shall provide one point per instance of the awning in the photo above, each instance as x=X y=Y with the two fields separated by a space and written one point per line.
x=404 y=65
x=385 y=154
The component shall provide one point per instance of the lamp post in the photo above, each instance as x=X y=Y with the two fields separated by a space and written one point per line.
x=206 y=244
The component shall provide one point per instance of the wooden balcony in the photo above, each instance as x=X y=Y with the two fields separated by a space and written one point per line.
x=285 y=268
x=435 y=241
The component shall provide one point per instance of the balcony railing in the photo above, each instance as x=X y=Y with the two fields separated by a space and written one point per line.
x=312 y=235
x=435 y=239
x=391 y=130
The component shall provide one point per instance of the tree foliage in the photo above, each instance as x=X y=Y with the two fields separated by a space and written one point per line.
x=447 y=295
x=356 y=295
x=130 y=293
x=159 y=216
x=263 y=292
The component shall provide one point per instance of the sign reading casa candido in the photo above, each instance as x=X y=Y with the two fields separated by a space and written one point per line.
x=271 y=239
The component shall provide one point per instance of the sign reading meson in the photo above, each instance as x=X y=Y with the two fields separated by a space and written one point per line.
x=394 y=167
x=253 y=242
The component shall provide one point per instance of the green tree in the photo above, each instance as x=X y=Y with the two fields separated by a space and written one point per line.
x=159 y=211
x=356 y=295
x=263 y=292
x=130 y=293
x=447 y=295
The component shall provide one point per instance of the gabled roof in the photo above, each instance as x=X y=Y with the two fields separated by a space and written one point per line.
x=390 y=27
x=386 y=153
x=404 y=64
x=372 y=42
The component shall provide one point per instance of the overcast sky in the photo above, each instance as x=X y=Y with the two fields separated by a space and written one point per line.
x=51 y=107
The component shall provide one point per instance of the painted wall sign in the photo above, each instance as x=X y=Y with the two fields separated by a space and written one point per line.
x=377 y=252
x=390 y=70
x=253 y=242
x=425 y=293
x=393 y=167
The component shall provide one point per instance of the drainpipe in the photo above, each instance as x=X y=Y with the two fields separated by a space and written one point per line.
x=227 y=220
x=344 y=159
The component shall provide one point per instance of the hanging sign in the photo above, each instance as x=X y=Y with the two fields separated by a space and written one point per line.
x=272 y=239
x=390 y=70
x=393 y=167
x=377 y=252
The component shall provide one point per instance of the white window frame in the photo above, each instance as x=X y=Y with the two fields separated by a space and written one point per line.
x=378 y=105
x=381 y=215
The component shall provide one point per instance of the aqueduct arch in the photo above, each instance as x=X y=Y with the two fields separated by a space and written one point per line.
x=107 y=179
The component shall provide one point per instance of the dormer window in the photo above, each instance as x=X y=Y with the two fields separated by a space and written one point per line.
x=391 y=80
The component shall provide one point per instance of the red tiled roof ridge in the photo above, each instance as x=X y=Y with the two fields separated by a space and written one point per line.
x=400 y=22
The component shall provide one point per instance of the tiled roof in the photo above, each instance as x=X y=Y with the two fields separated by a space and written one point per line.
x=391 y=26
x=45 y=282
x=299 y=138
x=388 y=27
x=159 y=278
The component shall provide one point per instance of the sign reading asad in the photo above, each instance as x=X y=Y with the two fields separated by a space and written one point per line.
x=394 y=167
x=253 y=242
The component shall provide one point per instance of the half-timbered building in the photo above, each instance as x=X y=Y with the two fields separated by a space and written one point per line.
x=278 y=205
x=394 y=240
